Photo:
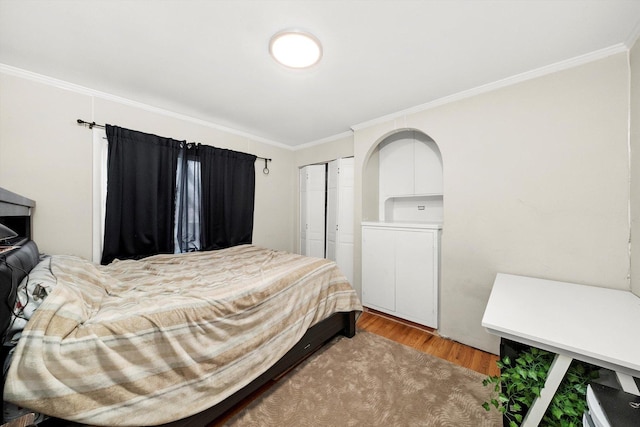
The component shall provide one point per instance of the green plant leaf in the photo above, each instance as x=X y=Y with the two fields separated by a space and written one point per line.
x=570 y=411
x=521 y=382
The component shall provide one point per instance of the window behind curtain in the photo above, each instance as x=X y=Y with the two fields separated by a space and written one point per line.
x=228 y=205
x=191 y=198
x=187 y=213
x=228 y=190
x=141 y=189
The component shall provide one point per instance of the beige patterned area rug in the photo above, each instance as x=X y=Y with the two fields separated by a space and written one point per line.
x=371 y=381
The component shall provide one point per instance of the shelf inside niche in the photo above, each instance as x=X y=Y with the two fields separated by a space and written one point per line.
x=414 y=208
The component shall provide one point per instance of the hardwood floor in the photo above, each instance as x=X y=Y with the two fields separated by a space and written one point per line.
x=427 y=340
x=419 y=337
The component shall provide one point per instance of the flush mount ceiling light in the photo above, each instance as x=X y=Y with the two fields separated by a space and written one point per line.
x=295 y=49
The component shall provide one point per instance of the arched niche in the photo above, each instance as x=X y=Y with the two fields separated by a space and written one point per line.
x=402 y=179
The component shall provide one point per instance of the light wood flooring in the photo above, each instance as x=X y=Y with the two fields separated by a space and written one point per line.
x=428 y=341
x=419 y=337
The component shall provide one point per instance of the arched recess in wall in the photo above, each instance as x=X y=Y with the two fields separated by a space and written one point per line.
x=402 y=217
x=403 y=174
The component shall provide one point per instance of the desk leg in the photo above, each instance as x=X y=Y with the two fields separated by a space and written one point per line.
x=554 y=378
x=627 y=383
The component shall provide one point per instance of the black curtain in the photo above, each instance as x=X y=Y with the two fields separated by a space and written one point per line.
x=141 y=188
x=228 y=190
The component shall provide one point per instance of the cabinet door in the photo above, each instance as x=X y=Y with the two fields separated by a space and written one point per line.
x=397 y=168
x=378 y=268
x=416 y=276
x=428 y=168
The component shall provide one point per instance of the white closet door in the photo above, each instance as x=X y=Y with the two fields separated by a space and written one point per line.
x=340 y=214
x=312 y=210
x=345 y=233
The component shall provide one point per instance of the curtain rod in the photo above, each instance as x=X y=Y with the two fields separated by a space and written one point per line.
x=92 y=125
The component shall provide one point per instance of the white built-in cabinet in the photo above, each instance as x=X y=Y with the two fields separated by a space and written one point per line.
x=327 y=212
x=401 y=251
x=410 y=179
x=406 y=166
x=400 y=275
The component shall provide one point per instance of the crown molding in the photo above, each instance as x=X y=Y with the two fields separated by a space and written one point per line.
x=83 y=90
x=529 y=75
x=321 y=141
x=518 y=78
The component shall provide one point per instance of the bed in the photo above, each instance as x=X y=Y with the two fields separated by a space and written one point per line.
x=116 y=345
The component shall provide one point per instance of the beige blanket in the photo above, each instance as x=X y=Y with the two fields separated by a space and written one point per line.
x=152 y=341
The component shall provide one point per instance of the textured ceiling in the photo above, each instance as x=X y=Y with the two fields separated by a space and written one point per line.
x=209 y=59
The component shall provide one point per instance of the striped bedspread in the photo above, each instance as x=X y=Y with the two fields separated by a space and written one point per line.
x=152 y=341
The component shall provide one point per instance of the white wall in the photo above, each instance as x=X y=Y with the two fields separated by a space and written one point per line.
x=634 y=56
x=535 y=183
x=46 y=156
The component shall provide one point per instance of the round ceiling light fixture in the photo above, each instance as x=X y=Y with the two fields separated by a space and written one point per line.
x=295 y=49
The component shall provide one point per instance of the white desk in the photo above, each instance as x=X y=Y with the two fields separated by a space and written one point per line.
x=596 y=325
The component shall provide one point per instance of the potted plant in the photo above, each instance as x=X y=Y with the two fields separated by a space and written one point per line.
x=522 y=376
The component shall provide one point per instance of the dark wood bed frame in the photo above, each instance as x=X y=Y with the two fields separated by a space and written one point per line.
x=15 y=211
x=316 y=336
